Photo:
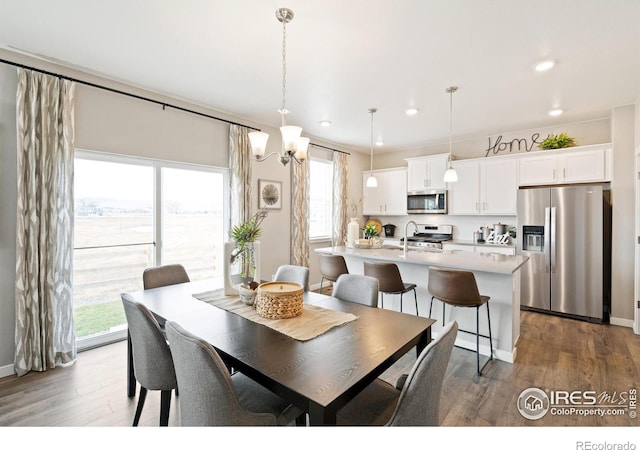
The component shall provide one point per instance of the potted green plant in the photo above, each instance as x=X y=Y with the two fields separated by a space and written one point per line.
x=370 y=231
x=242 y=259
x=561 y=140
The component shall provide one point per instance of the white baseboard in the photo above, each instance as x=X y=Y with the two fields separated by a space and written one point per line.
x=7 y=371
x=621 y=322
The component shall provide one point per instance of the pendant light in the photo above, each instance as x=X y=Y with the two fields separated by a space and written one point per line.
x=293 y=146
x=450 y=176
x=371 y=181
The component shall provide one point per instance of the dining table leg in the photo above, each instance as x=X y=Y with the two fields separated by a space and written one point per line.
x=319 y=416
x=425 y=339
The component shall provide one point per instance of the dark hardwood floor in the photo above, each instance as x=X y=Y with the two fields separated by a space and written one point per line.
x=553 y=354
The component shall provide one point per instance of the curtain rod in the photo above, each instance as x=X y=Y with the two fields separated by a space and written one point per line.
x=140 y=97
x=330 y=149
x=128 y=94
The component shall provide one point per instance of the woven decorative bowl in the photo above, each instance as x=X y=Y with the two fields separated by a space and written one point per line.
x=279 y=300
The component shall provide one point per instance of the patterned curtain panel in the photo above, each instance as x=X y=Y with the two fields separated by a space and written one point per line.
x=339 y=198
x=300 y=214
x=45 y=330
x=239 y=174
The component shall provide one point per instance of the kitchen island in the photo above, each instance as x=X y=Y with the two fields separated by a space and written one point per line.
x=497 y=275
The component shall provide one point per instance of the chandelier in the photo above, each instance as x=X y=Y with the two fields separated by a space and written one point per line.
x=293 y=146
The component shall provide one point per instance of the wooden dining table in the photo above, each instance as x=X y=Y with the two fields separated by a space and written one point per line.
x=319 y=375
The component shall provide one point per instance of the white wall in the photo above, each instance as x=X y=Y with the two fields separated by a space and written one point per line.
x=585 y=133
x=623 y=226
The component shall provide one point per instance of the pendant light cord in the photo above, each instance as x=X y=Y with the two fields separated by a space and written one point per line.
x=451 y=90
x=372 y=111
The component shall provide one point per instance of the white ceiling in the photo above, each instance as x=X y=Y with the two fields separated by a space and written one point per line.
x=346 y=56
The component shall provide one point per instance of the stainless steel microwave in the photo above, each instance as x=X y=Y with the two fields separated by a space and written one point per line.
x=427 y=202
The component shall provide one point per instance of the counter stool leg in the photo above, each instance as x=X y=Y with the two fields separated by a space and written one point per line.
x=401 y=301
x=430 y=307
x=321 y=280
x=415 y=297
x=490 y=338
x=478 y=339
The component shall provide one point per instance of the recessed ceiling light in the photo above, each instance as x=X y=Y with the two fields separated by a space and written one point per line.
x=379 y=142
x=555 y=112
x=545 y=65
x=325 y=123
x=411 y=111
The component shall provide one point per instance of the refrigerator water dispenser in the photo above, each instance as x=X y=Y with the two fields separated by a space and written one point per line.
x=533 y=238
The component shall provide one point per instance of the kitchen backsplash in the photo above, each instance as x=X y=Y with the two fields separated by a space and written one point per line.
x=463 y=226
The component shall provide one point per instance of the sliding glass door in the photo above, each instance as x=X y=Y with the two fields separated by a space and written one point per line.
x=131 y=214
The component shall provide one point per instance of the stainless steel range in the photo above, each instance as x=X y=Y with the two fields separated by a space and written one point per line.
x=430 y=236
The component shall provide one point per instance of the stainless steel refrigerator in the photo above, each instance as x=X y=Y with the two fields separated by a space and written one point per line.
x=566 y=233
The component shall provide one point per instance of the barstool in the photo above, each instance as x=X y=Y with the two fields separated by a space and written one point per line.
x=331 y=267
x=390 y=281
x=459 y=288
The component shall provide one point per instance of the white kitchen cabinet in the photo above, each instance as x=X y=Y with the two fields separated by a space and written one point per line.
x=585 y=164
x=426 y=172
x=389 y=198
x=485 y=187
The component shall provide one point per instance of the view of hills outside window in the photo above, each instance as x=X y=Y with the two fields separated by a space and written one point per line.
x=114 y=233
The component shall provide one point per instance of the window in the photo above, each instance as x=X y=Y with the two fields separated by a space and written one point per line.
x=131 y=214
x=320 y=199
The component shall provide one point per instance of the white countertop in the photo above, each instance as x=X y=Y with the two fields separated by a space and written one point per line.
x=454 y=259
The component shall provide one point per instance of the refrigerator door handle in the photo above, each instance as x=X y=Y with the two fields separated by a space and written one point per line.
x=553 y=239
x=547 y=240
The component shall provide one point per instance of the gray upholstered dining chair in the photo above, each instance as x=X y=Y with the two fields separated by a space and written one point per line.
x=210 y=396
x=154 y=277
x=356 y=288
x=296 y=274
x=152 y=361
x=418 y=403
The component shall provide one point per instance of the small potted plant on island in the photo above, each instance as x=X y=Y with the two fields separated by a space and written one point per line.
x=371 y=234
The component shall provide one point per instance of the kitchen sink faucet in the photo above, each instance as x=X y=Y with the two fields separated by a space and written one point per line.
x=404 y=247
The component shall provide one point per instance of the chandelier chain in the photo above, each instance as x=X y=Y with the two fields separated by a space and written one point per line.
x=284 y=110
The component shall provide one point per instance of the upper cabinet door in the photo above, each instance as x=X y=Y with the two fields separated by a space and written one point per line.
x=389 y=198
x=499 y=185
x=464 y=194
x=536 y=170
x=586 y=164
x=583 y=166
x=371 y=200
x=417 y=174
x=395 y=194
x=426 y=172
